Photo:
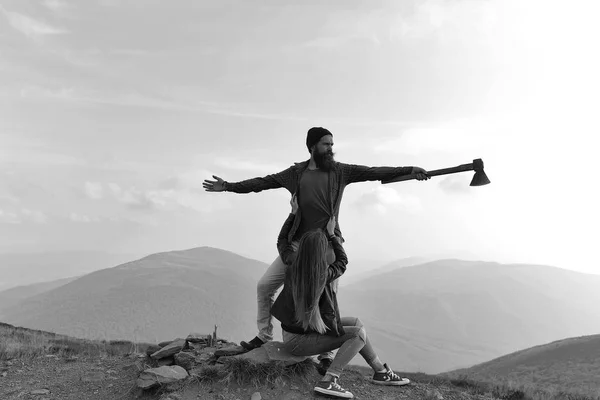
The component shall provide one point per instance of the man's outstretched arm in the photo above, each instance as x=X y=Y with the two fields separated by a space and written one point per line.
x=362 y=173
x=273 y=181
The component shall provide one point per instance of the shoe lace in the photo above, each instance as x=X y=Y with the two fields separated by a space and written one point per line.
x=393 y=375
x=337 y=386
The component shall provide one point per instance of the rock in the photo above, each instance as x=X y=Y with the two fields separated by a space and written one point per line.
x=152 y=349
x=198 y=338
x=256 y=396
x=205 y=358
x=39 y=392
x=165 y=362
x=277 y=351
x=169 y=350
x=161 y=376
x=271 y=351
x=4 y=374
x=168 y=342
x=197 y=347
x=230 y=351
x=185 y=360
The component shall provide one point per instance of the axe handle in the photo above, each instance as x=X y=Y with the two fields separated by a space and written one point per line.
x=435 y=172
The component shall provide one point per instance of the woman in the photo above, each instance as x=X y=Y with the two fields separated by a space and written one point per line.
x=308 y=310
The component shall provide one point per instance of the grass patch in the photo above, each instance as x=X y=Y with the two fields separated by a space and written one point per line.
x=242 y=371
x=22 y=344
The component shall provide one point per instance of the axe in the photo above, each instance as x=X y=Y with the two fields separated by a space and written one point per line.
x=479 y=179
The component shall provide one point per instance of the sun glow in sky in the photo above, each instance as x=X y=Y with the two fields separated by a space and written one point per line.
x=113 y=112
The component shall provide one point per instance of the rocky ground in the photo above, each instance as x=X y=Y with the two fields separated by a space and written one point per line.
x=51 y=377
x=114 y=378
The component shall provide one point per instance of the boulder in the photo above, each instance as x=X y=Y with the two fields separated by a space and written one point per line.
x=170 y=349
x=271 y=351
x=198 y=338
x=185 y=360
x=152 y=349
x=165 y=361
x=168 y=342
x=230 y=351
x=161 y=376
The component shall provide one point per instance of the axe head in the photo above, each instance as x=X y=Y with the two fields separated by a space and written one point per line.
x=480 y=178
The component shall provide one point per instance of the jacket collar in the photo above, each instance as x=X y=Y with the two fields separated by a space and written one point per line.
x=301 y=166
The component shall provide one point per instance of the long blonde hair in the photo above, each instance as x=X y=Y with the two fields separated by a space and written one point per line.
x=309 y=277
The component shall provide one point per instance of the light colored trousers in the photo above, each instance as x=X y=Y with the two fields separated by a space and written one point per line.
x=268 y=284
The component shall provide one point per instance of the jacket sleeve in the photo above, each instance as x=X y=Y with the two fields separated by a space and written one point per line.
x=338 y=267
x=284 y=247
x=361 y=173
x=273 y=181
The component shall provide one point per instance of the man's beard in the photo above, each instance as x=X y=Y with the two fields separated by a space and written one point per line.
x=324 y=161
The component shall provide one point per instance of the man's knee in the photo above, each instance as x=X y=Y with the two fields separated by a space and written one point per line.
x=267 y=287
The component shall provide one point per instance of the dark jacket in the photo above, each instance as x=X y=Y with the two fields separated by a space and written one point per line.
x=339 y=177
x=284 y=310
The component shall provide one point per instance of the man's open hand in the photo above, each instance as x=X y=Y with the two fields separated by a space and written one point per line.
x=214 y=186
x=420 y=173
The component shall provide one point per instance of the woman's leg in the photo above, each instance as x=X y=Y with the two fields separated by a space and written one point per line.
x=357 y=343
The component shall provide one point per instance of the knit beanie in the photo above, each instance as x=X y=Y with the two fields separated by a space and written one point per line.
x=314 y=135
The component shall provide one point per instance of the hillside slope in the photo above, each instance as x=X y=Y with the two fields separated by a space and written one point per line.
x=572 y=363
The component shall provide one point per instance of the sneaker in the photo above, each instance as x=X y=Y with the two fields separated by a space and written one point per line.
x=324 y=365
x=332 y=388
x=253 y=344
x=389 y=378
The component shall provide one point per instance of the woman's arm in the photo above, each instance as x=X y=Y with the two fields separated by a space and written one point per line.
x=338 y=267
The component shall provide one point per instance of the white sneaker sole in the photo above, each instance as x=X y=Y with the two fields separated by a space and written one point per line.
x=332 y=393
x=390 y=383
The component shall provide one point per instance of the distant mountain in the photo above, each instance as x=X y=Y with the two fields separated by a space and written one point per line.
x=351 y=276
x=432 y=317
x=448 y=314
x=19 y=269
x=159 y=297
x=572 y=363
x=12 y=296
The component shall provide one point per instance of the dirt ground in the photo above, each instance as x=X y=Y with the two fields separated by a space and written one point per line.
x=113 y=378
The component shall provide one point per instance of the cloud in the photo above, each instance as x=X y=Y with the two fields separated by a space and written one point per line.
x=74 y=217
x=134 y=197
x=456 y=184
x=93 y=190
x=383 y=199
x=7 y=217
x=22 y=215
x=55 y=5
x=34 y=216
x=30 y=27
x=244 y=165
x=452 y=137
x=175 y=193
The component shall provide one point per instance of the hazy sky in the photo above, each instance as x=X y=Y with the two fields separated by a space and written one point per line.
x=112 y=112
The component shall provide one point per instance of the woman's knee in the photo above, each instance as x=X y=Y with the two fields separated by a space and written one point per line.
x=357 y=332
x=362 y=334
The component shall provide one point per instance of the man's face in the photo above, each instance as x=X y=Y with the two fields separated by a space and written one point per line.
x=323 y=153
